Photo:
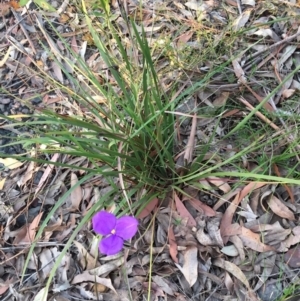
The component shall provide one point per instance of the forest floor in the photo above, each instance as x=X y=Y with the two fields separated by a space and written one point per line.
x=226 y=225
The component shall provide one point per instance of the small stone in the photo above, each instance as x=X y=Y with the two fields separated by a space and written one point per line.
x=36 y=100
x=25 y=111
x=37 y=177
x=5 y=101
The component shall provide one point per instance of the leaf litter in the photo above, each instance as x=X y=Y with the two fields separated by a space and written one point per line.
x=220 y=242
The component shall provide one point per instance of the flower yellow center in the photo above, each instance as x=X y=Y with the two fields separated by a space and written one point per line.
x=113 y=231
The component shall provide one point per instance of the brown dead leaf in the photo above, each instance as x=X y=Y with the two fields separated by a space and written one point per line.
x=213 y=238
x=250 y=187
x=221 y=100
x=5 y=286
x=226 y=198
x=87 y=277
x=99 y=288
x=280 y=209
x=148 y=208
x=46 y=173
x=288 y=242
x=230 y=251
x=239 y=72
x=201 y=207
x=228 y=282
x=11 y=163
x=163 y=284
x=4 y=9
x=241 y=20
x=28 y=174
x=287 y=93
x=228 y=215
x=76 y=194
x=287 y=188
x=173 y=244
x=183 y=212
x=232 y=269
x=184 y=38
x=28 y=234
x=190 y=265
x=238 y=243
x=292 y=257
x=252 y=241
x=222 y=185
x=231 y=230
x=57 y=72
x=87 y=261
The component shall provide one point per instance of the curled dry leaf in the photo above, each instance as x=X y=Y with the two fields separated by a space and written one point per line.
x=248 y=214
x=214 y=231
x=280 y=209
x=190 y=265
x=213 y=238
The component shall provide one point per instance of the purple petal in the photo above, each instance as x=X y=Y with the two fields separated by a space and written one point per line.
x=104 y=222
x=111 y=245
x=126 y=227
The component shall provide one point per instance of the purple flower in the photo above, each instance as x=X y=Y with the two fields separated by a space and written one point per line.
x=115 y=229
